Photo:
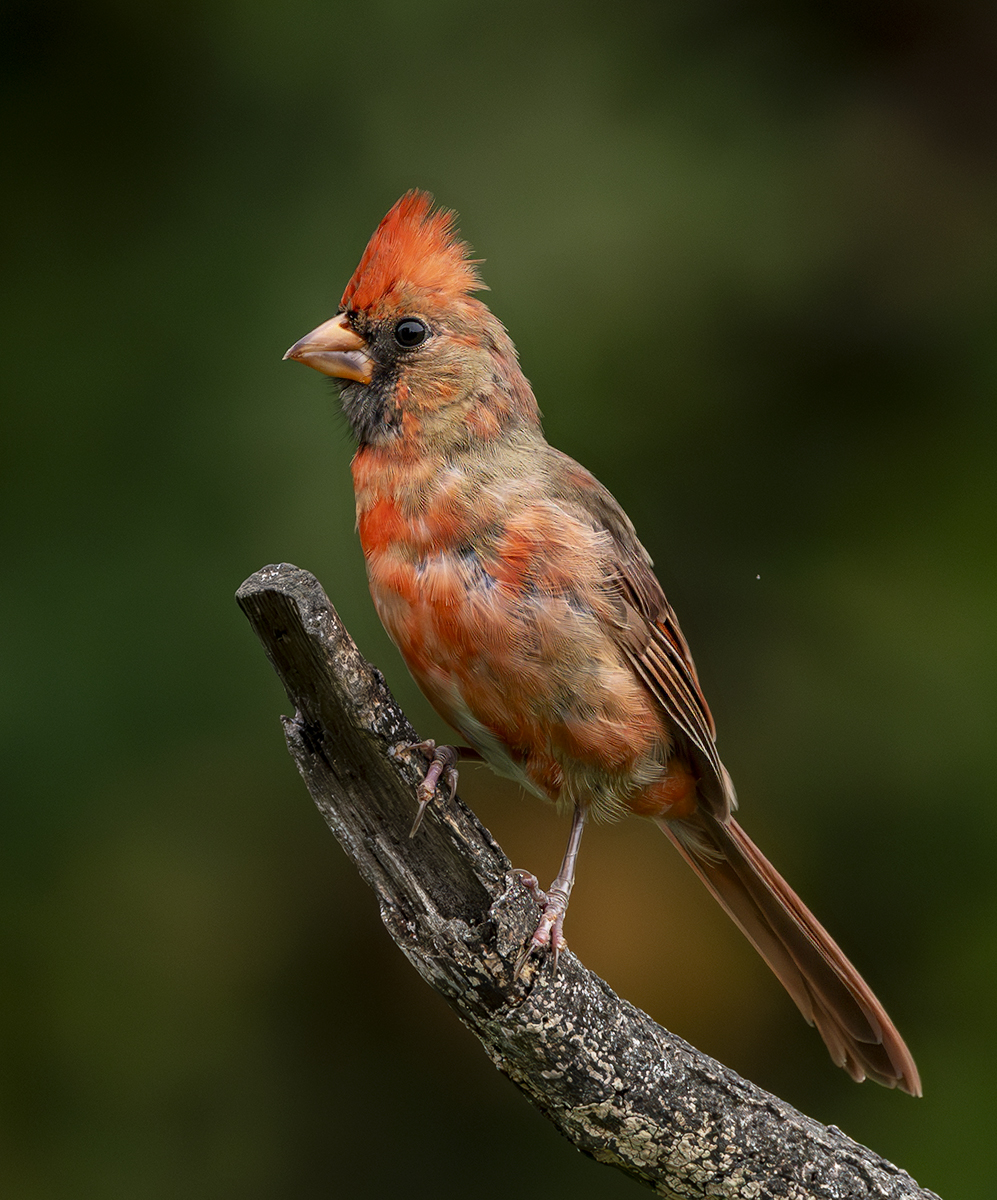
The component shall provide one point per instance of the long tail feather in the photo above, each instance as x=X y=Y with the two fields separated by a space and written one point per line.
x=805 y=958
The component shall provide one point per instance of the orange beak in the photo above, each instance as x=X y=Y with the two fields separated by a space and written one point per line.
x=334 y=349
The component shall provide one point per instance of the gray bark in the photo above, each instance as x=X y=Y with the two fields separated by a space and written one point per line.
x=620 y=1087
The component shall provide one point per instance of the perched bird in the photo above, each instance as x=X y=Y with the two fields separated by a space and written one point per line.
x=528 y=612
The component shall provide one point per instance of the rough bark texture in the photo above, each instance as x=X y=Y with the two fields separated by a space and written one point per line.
x=620 y=1087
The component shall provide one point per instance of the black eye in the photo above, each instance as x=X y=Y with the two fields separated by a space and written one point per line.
x=410 y=331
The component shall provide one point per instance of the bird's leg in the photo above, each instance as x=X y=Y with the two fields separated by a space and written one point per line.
x=442 y=765
x=554 y=902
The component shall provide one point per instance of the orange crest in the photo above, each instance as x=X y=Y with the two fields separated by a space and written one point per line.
x=416 y=248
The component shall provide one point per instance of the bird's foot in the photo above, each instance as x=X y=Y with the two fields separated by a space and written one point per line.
x=549 y=934
x=442 y=767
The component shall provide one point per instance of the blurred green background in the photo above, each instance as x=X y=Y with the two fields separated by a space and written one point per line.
x=748 y=255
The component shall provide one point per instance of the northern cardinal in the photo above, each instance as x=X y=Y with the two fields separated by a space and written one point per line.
x=528 y=612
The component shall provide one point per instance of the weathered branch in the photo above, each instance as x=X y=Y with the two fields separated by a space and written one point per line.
x=621 y=1088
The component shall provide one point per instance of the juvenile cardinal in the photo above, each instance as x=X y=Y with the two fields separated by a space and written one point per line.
x=528 y=612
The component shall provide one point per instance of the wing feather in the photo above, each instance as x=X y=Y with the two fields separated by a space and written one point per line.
x=647 y=631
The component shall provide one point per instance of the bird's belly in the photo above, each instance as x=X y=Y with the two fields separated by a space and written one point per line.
x=529 y=676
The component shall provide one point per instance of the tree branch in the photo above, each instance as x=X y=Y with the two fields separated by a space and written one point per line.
x=620 y=1087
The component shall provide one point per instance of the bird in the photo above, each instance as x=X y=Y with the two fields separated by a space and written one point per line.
x=528 y=612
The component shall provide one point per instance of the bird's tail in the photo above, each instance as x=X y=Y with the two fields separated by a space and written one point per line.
x=805 y=958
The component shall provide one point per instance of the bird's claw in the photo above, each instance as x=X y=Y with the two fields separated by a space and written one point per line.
x=442 y=765
x=549 y=933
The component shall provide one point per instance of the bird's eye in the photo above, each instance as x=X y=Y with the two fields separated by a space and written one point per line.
x=410 y=331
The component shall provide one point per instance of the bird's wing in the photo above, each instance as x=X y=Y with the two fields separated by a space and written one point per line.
x=647 y=631
x=653 y=644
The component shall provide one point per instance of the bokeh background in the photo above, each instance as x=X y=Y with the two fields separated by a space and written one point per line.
x=748 y=255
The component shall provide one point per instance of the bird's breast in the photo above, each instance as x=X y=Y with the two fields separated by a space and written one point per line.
x=498 y=602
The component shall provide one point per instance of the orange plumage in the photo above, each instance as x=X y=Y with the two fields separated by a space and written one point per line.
x=528 y=612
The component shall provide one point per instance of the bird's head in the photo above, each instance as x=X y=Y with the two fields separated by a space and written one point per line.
x=417 y=355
